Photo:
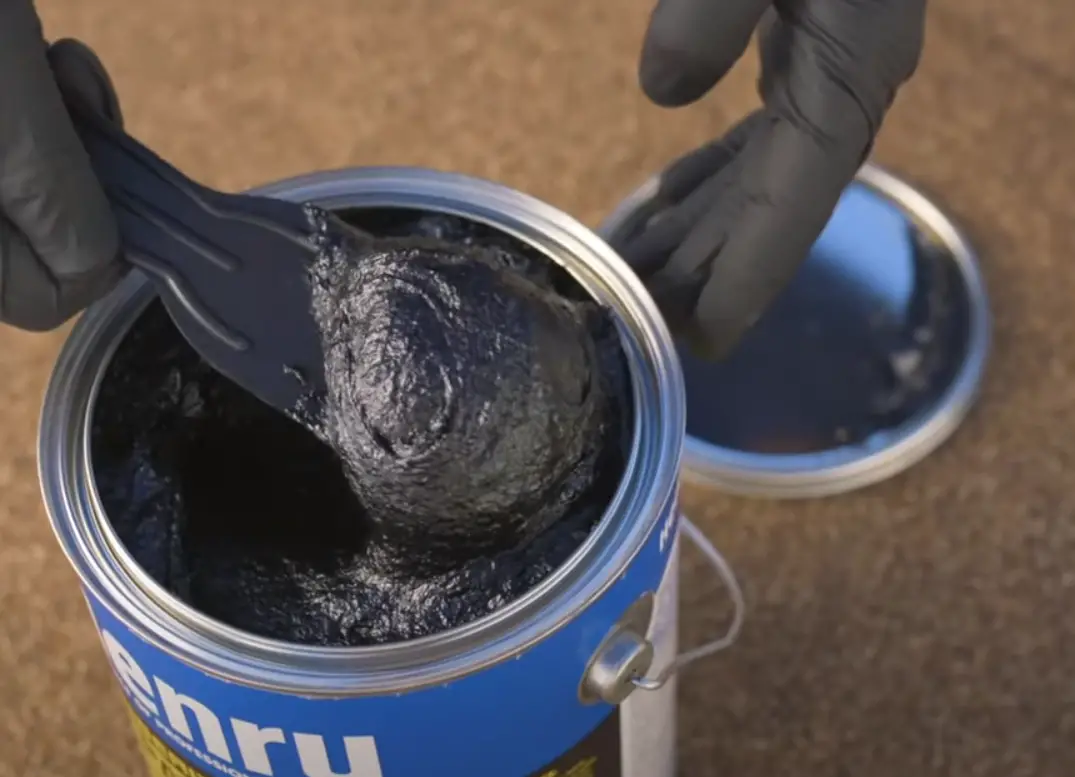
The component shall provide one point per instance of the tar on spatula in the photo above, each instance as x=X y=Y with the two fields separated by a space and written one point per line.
x=231 y=269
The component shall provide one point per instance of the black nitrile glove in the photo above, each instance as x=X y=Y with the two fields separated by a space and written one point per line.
x=59 y=245
x=734 y=219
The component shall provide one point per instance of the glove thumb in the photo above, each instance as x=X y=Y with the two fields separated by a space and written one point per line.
x=79 y=71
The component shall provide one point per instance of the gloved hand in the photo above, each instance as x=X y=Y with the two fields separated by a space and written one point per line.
x=734 y=219
x=59 y=244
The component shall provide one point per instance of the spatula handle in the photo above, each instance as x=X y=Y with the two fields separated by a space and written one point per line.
x=139 y=180
x=169 y=223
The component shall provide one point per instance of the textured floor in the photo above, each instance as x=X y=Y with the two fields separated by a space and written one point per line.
x=920 y=627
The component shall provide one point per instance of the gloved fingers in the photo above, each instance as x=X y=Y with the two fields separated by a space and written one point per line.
x=688 y=188
x=78 y=70
x=830 y=71
x=706 y=216
x=34 y=299
x=691 y=44
x=648 y=250
x=687 y=173
x=787 y=183
x=48 y=191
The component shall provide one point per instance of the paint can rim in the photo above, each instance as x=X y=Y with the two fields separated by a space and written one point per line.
x=110 y=575
x=842 y=469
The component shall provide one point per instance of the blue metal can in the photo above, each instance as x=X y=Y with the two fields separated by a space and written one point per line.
x=545 y=686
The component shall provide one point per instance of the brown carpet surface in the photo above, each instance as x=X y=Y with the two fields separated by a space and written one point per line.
x=919 y=627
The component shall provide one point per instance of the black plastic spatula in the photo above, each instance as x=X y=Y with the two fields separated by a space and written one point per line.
x=232 y=269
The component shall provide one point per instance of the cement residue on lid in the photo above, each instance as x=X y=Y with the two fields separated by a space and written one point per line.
x=866 y=364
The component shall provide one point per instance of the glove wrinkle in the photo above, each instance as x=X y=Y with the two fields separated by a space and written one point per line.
x=688 y=187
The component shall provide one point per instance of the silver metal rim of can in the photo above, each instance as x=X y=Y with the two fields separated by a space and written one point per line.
x=649 y=487
x=844 y=469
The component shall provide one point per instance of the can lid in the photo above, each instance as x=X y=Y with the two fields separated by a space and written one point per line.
x=868 y=361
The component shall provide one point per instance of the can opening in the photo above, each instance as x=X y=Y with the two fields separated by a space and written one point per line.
x=248 y=518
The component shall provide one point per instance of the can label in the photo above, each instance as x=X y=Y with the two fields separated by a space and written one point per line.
x=161 y=760
x=598 y=755
x=518 y=718
x=635 y=742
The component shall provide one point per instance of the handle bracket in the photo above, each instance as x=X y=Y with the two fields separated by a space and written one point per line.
x=621 y=663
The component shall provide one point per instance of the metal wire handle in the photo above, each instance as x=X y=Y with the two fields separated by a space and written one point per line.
x=731 y=584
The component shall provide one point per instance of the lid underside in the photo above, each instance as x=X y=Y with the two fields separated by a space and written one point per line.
x=865 y=364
